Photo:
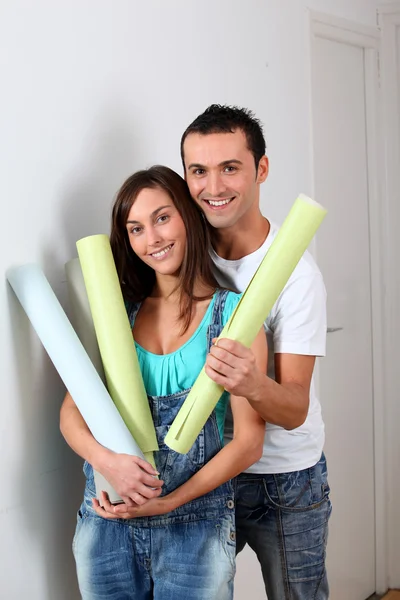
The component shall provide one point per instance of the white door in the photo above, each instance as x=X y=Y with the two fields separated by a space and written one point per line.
x=343 y=248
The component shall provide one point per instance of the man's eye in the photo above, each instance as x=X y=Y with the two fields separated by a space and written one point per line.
x=198 y=172
x=230 y=169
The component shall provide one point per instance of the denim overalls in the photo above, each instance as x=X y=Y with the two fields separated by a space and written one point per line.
x=187 y=554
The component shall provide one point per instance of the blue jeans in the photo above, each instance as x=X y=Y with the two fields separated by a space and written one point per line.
x=188 y=553
x=284 y=519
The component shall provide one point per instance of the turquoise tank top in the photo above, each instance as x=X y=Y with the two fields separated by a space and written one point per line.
x=165 y=374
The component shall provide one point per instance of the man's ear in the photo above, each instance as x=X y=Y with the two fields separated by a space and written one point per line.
x=263 y=169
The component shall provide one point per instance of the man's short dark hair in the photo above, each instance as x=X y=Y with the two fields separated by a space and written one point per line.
x=219 y=118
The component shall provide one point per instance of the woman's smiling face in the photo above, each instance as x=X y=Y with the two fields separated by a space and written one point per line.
x=156 y=231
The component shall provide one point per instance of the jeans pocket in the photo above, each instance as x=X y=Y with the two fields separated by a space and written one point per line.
x=299 y=490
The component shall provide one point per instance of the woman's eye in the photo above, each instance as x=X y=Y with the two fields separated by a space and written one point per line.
x=162 y=218
x=135 y=230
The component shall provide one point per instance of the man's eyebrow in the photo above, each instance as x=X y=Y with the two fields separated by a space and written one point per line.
x=224 y=163
x=233 y=161
x=153 y=214
x=196 y=166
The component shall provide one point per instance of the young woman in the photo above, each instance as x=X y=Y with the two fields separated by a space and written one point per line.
x=179 y=545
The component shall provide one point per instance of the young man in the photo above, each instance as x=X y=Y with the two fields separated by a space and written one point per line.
x=283 y=504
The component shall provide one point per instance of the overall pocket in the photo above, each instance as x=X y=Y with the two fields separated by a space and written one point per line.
x=175 y=468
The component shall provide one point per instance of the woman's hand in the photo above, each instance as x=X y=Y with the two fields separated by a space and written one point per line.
x=134 y=479
x=153 y=507
x=131 y=477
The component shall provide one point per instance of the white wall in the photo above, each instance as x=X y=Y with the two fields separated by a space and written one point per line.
x=91 y=91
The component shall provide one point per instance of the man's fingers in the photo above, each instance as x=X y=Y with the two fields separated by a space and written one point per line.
x=235 y=348
x=224 y=356
x=217 y=377
x=219 y=366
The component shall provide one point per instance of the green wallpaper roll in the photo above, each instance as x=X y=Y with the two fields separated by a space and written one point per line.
x=248 y=317
x=114 y=335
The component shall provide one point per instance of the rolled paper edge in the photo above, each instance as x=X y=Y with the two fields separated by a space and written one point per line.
x=308 y=200
x=177 y=445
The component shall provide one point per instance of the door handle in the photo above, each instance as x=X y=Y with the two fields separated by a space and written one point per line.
x=333 y=329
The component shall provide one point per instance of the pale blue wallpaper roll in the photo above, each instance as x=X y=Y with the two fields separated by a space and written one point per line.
x=70 y=359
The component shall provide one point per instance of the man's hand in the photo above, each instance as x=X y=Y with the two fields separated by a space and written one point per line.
x=234 y=366
x=131 y=477
x=156 y=506
x=283 y=402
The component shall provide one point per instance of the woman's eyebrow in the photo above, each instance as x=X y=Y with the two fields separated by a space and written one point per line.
x=153 y=214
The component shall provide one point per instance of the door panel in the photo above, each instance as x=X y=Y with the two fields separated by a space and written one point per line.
x=345 y=375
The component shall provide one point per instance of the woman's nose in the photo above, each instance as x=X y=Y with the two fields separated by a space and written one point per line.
x=153 y=237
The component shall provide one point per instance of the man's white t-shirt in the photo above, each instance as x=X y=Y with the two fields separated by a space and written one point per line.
x=295 y=325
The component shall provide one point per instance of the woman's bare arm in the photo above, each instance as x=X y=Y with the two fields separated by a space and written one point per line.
x=130 y=476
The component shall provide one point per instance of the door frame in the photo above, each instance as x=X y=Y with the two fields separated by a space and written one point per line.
x=368 y=38
x=389 y=22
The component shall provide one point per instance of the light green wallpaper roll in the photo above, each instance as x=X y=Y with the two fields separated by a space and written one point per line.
x=248 y=317
x=114 y=335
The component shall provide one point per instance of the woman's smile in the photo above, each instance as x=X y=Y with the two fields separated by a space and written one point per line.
x=163 y=253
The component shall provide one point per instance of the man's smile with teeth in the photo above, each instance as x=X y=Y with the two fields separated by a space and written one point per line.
x=162 y=252
x=219 y=202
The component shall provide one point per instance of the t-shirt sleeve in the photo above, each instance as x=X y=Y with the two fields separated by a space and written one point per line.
x=298 y=319
x=231 y=302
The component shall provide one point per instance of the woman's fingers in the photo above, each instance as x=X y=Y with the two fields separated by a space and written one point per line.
x=101 y=511
x=151 y=481
x=146 y=466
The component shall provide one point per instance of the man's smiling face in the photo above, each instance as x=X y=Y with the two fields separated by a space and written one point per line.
x=222 y=177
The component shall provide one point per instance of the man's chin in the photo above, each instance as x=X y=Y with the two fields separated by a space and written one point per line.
x=219 y=222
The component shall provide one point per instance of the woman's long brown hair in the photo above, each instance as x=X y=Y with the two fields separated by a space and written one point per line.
x=137 y=279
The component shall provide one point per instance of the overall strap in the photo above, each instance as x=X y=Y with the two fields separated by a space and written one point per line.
x=132 y=308
x=219 y=305
x=216 y=323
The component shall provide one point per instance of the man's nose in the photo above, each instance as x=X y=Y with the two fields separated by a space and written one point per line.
x=215 y=185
